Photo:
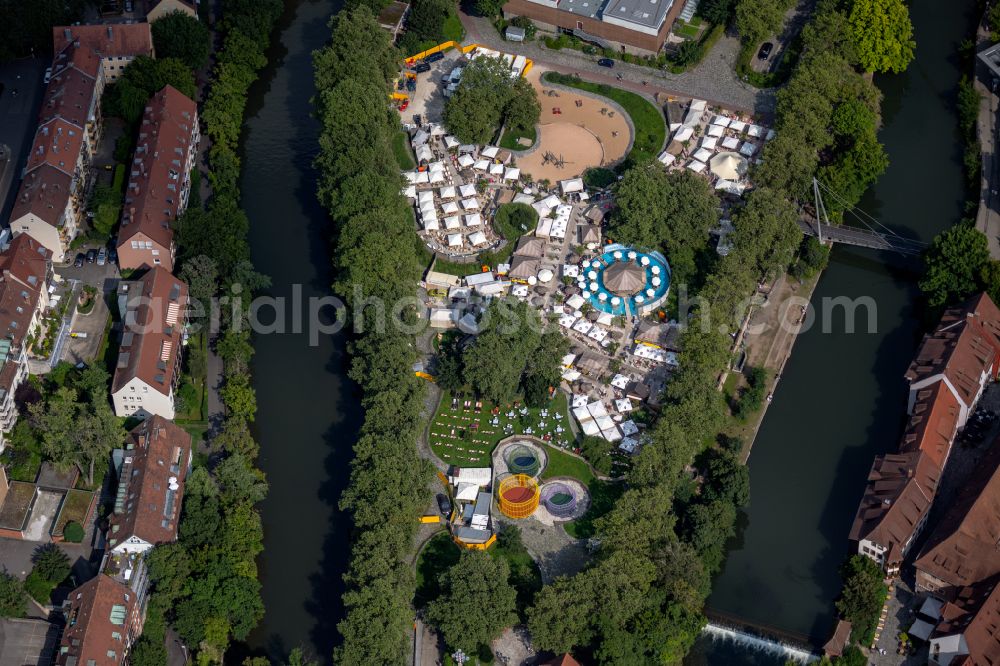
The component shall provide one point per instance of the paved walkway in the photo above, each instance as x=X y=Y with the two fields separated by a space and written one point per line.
x=714 y=79
x=988 y=217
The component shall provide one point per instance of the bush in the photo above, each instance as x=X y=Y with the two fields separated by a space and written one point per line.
x=599 y=177
x=73 y=532
x=38 y=588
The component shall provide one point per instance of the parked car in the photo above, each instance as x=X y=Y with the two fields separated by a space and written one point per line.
x=417 y=119
x=128 y=6
x=91 y=256
x=113 y=256
x=102 y=256
x=434 y=57
x=79 y=259
x=444 y=504
x=765 y=51
x=606 y=62
x=78 y=334
x=422 y=67
x=48 y=74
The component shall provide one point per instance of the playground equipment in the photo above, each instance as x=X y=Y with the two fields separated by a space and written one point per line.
x=559 y=499
x=518 y=496
x=522 y=459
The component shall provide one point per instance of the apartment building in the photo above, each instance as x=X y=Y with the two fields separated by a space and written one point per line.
x=115 y=44
x=159 y=180
x=151 y=479
x=154 y=310
x=103 y=621
x=25 y=272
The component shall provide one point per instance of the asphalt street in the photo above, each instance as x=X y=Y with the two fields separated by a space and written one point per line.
x=21 y=90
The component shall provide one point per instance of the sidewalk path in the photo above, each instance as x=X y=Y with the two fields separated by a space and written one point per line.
x=714 y=79
x=988 y=217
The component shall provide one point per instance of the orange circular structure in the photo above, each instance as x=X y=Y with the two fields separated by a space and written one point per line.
x=518 y=496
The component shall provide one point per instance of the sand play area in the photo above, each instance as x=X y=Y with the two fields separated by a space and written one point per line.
x=580 y=135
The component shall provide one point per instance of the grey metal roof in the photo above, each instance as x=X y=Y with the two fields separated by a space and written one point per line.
x=588 y=8
x=648 y=13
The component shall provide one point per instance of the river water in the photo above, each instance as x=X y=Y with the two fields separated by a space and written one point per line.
x=308 y=412
x=839 y=403
x=841 y=398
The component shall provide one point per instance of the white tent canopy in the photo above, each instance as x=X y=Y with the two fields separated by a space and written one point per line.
x=729 y=166
x=683 y=134
x=467 y=190
x=666 y=158
x=571 y=185
x=454 y=240
x=703 y=155
x=465 y=160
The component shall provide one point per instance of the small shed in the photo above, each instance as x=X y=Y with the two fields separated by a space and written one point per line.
x=514 y=34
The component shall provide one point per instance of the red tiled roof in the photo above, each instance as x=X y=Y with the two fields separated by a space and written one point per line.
x=975 y=613
x=964 y=347
x=962 y=550
x=69 y=95
x=900 y=490
x=151 y=341
x=158 y=453
x=158 y=170
x=24 y=268
x=58 y=144
x=107 y=40
x=45 y=193
x=565 y=660
x=98 y=623
x=932 y=424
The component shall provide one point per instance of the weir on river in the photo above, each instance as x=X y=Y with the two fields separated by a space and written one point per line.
x=841 y=399
x=839 y=403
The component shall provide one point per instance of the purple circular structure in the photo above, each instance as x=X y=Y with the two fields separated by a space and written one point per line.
x=559 y=499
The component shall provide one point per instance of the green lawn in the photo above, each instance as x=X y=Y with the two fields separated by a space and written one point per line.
x=686 y=30
x=564 y=464
x=509 y=140
x=74 y=508
x=439 y=555
x=401 y=151
x=466 y=437
x=456 y=268
x=452 y=29
x=650 y=127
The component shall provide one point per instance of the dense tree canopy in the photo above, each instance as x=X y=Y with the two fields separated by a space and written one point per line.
x=488 y=97
x=26 y=28
x=13 y=602
x=462 y=616
x=958 y=262
x=127 y=97
x=756 y=20
x=374 y=259
x=182 y=36
x=883 y=34
x=429 y=23
x=862 y=596
x=669 y=211
x=76 y=432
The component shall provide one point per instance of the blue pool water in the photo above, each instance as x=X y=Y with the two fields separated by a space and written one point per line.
x=627 y=304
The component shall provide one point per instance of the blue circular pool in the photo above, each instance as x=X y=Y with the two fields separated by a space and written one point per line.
x=625 y=281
